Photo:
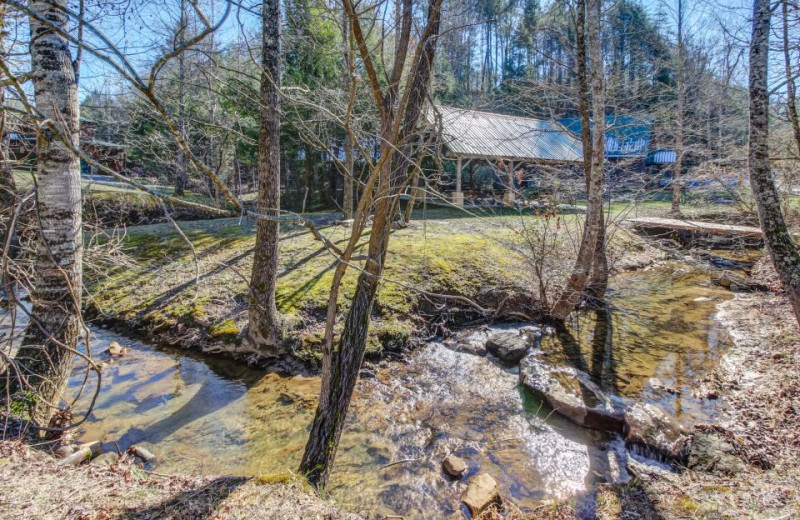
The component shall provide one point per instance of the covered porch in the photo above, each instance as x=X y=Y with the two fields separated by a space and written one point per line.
x=514 y=147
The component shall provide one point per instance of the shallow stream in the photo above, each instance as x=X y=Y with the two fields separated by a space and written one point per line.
x=212 y=416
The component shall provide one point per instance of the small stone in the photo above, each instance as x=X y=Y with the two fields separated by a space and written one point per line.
x=481 y=491
x=509 y=347
x=454 y=466
x=115 y=349
x=142 y=452
x=105 y=460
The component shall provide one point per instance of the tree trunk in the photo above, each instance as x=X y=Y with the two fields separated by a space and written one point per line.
x=45 y=359
x=781 y=247
x=340 y=379
x=264 y=321
x=347 y=196
x=181 y=174
x=681 y=95
x=594 y=208
x=791 y=94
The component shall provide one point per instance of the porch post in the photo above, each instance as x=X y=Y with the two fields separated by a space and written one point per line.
x=458 y=195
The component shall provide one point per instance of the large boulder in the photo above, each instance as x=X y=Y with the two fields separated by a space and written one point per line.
x=712 y=453
x=571 y=393
x=481 y=491
x=509 y=347
x=656 y=433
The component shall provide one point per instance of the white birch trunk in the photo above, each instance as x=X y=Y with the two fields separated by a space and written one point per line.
x=44 y=359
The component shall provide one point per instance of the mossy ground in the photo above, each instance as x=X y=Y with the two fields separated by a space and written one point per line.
x=476 y=258
x=484 y=257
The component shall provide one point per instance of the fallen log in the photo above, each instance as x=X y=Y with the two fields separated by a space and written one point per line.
x=83 y=452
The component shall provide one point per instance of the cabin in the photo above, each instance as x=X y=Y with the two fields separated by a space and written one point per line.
x=111 y=155
x=515 y=147
x=22 y=146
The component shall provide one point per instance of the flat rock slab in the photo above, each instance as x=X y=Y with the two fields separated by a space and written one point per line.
x=509 y=347
x=571 y=393
x=481 y=491
x=660 y=434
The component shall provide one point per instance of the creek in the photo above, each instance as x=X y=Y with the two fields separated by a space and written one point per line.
x=211 y=416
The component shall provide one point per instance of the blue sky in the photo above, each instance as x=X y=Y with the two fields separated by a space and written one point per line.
x=141 y=28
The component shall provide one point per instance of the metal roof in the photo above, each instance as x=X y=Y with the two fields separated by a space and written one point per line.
x=495 y=136
x=626 y=136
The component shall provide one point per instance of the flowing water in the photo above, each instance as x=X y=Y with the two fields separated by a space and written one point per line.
x=211 y=416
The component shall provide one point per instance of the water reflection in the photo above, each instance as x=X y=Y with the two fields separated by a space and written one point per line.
x=657 y=325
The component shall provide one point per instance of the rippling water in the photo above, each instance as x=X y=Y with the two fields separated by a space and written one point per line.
x=212 y=416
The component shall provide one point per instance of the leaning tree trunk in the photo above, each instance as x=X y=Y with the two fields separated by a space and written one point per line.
x=264 y=320
x=781 y=247
x=340 y=380
x=45 y=359
x=576 y=283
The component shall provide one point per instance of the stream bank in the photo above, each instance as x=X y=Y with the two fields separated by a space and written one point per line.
x=154 y=297
x=206 y=415
x=34 y=485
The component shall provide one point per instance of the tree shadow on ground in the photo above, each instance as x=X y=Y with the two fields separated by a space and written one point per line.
x=194 y=504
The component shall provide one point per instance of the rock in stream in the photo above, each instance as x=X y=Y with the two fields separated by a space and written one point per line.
x=509 y=347
x=571 y=393
x=661 y=436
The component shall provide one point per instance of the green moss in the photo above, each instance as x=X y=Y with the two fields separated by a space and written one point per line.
x=224 y=330
x=279 y=478
x=459 y=257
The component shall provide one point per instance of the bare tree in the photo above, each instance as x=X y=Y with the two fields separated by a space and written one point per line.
x=8 y=187
x=782 y=248
x=45 y=359
x=264 y=320
x=576 y=283
x=680 y=112
x=182 y=174
x=400 y=114
x=791 y=94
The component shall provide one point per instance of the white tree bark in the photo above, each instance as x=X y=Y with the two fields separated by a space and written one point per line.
x=45 y=360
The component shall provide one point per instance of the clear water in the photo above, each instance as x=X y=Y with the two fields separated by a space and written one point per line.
x=211 y=416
